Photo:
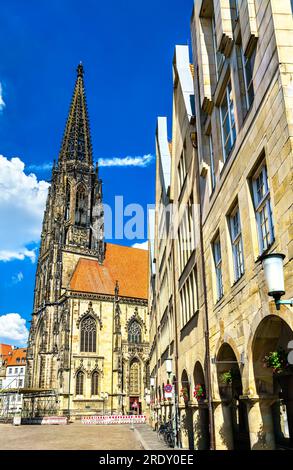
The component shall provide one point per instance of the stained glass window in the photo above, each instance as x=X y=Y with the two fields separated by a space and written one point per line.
x=88 y=335
x=134 y=332
x=79 y=383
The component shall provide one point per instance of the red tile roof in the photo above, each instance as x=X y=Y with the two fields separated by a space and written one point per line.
x=129 y=266
x=17 y=358
x=5 y=352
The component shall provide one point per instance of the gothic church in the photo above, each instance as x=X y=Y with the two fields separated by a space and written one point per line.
x=89 y=335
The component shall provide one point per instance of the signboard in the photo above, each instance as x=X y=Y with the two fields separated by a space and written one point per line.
x=113 y=419
x=168 y=391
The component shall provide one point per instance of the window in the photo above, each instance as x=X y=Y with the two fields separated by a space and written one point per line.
x=182 y=170
x=236 y=240
x=95 y=383
x=262 y=206
x=67 y=202
x=20 y=383
x=134 y=332
x=15 y=370
x=134 y=378
x=79 y=383
x=218 y=267
x=17 y=360
x=234 y=7
x=0 y=383
x=227 y=121
x=81 y=208
x=248 y=64
x=218 y=56
x=21 y=370
x=10 y=370
x=88 y=335
x=188 y=298
x=212 y=162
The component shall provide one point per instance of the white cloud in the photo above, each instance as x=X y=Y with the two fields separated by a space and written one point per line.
x=142 y=246
x=2 y=104
x=17 y=278
x=22 y=203
x=142 y=161
x=13 y=329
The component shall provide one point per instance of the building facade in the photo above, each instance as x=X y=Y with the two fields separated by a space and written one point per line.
x=242 y=169
x=13 y=381
x=88 y=340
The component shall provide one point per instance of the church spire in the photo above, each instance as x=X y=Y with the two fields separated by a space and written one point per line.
x=76 y=144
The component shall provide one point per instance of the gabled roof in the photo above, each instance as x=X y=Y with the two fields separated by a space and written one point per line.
x=17 y=358
x=129 y=266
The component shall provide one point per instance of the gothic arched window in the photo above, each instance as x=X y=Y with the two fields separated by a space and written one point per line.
x=67 y=202
x=88 y=334
x=81 y=207
x=79 y=383
x=134 y=378
x=95 y=383
x=134 y=332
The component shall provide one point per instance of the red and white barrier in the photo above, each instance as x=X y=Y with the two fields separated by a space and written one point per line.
x=113 y=419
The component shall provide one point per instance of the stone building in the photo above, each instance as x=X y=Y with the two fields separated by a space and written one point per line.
x=88 y=339
x=243 y=89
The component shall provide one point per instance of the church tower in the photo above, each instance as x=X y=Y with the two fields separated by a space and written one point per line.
x=73 y=220
x=88 y=343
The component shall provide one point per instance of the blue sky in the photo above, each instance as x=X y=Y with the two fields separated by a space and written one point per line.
x=127 y=49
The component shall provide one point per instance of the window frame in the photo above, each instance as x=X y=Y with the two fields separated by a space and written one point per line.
x=88 y=339
x=228 y=115
x=218 y=267
x=79 y=383
x=236 y=243
x=263 y=204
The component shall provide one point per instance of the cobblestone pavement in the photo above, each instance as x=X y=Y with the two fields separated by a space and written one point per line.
x=74 y=436
x=149 y=438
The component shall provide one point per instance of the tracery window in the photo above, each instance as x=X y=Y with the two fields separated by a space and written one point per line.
x=95 y=383
x=134 y=378
x=79 y=383
x=80 y=208
x=134 y=332
x=88 y=335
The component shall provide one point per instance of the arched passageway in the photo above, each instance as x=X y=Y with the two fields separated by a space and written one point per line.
x=274 y=382
x=186 y=422
x=200 y=414
x=234 y=408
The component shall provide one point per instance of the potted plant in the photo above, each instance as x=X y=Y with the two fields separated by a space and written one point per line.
x=282 y=370
x=199 y=392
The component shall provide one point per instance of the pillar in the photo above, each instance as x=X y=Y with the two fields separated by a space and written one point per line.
x=261 y=428
x=223 y=426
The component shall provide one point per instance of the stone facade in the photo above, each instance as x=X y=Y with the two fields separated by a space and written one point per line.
x=242 y=169
x=88 y=340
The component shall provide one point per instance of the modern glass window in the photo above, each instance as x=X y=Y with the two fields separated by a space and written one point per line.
x=218 y=56
x=212 y=162
x=262 y=206
x=236 y=240
x=134 y=332
x=248 y=64
x=227 y=121
x=88 y=335
x=79 y=383
x=95 y=383
x=218 y=267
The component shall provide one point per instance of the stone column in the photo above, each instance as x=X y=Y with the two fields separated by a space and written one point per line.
x=223 y=426
x=183 y=427
x=261 y=428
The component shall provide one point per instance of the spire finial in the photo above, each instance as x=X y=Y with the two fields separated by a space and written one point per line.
x=80 y=69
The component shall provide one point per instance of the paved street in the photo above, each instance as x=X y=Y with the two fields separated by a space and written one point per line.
x=75 y=436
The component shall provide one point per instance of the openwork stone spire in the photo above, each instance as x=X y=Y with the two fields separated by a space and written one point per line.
x=76 y=144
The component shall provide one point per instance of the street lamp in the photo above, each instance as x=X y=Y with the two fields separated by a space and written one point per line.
x=272 y=264
x=168 y=364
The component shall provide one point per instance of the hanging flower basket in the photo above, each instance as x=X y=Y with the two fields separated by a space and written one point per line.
x=199 y=392
x=278 y=362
